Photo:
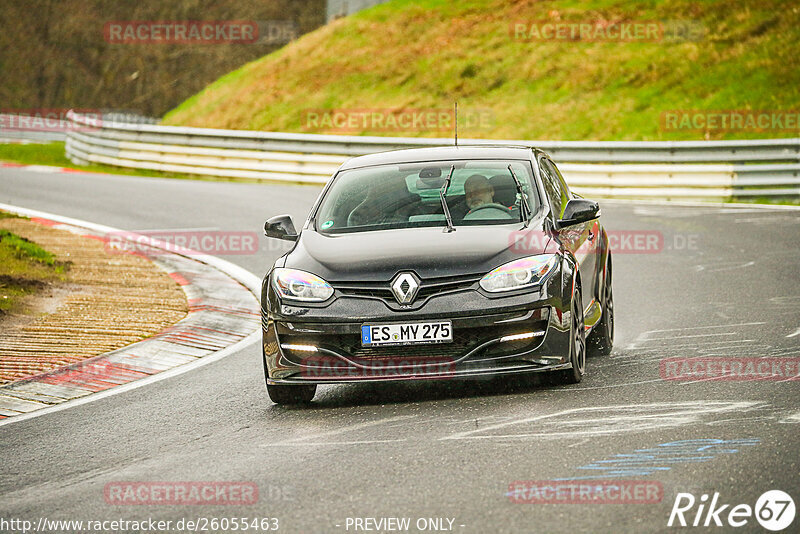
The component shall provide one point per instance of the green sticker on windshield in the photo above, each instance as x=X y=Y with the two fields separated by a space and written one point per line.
x=327 y=224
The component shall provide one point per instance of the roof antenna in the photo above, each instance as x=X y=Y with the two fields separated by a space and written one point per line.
x=456 y=125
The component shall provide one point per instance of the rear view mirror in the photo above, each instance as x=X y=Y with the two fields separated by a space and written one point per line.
x=430 y=172
x=579 y=210
x=280 y=227
x=430 y=178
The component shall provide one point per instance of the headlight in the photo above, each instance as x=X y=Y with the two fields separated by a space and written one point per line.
x=300 y=285
x=518 y=274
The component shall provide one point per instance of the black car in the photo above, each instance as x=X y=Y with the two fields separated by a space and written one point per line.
x=437 y=263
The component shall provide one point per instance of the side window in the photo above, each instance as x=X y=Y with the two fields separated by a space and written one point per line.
x=553 y=187
x=564 y=188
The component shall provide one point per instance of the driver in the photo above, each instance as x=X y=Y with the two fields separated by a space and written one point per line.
x=478 y=192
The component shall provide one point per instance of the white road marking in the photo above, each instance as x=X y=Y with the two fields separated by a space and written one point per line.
x=343 y=430
x=581 y=442
x=703 y=268
x=694 y=335
x=704 y=327
x=700 y=380
x=194 y=229
x=673 y=213
x=43 y=168
x=726 y=341
x=790 y=379
x=753 y=419
x=790 y=300
x=599 y=420
x=795 y=333
x=626 y=384
x=767 y=220
x=323 y=443
x=715 y=207
x=643 y=337
x=794 y=418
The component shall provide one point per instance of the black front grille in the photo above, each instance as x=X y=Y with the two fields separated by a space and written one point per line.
x=428 y=287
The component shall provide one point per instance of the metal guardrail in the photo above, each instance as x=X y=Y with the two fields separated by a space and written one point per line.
x=709 y=170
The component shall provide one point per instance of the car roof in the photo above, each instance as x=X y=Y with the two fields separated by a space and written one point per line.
x=439 y=153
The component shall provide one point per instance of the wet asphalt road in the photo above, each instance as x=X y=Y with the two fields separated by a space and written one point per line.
x=724 y=283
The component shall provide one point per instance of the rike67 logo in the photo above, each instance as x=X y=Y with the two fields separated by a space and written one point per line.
x=774 y=510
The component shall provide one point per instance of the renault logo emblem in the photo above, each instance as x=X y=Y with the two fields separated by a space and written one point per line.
x=405 y=287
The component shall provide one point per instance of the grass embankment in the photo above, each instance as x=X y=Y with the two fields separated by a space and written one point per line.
x=25 y=268
x=424 y=54
x=35 y=154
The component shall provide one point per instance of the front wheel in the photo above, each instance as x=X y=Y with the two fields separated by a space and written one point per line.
x=601 y=340
x=291 y=394
x=577 y=348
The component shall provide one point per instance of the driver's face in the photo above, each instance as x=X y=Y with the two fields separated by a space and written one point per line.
x=479 y=196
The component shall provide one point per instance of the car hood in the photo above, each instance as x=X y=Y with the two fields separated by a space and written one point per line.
x=430 y=252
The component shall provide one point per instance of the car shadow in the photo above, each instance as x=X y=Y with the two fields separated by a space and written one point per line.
x=417 y=391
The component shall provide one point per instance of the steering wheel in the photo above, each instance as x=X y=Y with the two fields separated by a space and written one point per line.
x=498 y=212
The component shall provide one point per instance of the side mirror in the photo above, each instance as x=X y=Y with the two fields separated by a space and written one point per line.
x=579 y=210
x=281 y=227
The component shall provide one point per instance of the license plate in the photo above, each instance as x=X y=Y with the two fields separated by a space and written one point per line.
x=407 y=333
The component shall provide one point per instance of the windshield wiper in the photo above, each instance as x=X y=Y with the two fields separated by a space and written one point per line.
x=525 y=209
x=442 y=193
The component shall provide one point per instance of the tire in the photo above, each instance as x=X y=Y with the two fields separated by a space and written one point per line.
x=283 y=394
x=601 y=340
x=577 y=346
x=287 y=394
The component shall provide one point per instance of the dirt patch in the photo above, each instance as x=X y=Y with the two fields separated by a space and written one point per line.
x=6 y=279
x=48 y=297
x=107 y=301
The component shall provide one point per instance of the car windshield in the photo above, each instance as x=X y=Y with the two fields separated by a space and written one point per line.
x=481 y=192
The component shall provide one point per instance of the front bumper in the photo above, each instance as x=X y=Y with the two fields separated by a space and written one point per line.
x=492 y=335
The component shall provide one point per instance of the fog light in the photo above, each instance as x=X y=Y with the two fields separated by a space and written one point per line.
x=526 y=335
x=302 y=348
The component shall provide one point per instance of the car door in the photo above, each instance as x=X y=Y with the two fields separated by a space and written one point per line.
x=579 y=239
